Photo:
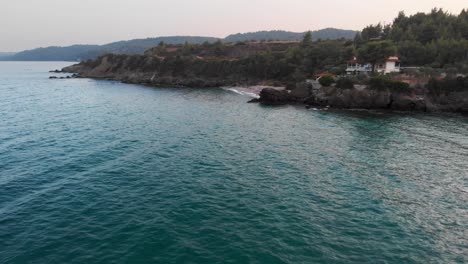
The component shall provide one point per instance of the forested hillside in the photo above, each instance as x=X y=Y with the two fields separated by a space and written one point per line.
x=327 y=33
x=217 y=64
x=437 y=39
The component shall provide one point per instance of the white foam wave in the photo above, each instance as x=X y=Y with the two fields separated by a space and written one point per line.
x=241 y=92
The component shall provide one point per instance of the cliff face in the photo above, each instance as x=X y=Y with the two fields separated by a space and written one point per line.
x=452 y=102
x=122 y=70
x=366 y=98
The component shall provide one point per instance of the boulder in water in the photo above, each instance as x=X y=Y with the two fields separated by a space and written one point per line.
x=271 y=96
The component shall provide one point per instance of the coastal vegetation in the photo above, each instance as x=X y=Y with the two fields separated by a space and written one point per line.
x=291 y=64
x=436 y=42
x=278 y=62
x=385 y=83
x=326 y=80
x=437 y=39
x=345 y=83
x=448 y=85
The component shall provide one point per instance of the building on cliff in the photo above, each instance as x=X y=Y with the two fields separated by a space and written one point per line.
x=392 y=64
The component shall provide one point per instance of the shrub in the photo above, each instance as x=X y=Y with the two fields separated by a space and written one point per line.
x=382 y=83
x=378 y=83
x=345 y=83
x=397 y=85
x=447 y=85
x=338 y=70
x=290 y=85
x=463 y=68
x=400 y=87
x=362 y=78
x=326 y=80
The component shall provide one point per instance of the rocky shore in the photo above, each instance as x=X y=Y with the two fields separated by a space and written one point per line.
x=314 y=95
x=310 y=94
x=120 y=69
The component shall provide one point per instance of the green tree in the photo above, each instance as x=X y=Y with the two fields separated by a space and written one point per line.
x=326 y=80
x=345 y=83
x=374 y=52
x=307 y=40
x=414 y=53
x=372 y=32
x=161 y=47
x=219 y=48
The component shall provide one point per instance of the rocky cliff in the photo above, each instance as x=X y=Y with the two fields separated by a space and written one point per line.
x=173 y=70
x=363 y=97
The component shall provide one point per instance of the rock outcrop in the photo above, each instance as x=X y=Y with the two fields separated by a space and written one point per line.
x=366 y=98
x=271 y=96
x=154 y=71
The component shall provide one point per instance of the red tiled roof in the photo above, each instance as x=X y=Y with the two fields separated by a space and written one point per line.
x=324 y=74
x=396 y=59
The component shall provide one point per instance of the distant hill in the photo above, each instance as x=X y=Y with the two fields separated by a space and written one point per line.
x=327 y=33
x=71 y=53
x=139 y=46
x=84 y=52
x=6 y=54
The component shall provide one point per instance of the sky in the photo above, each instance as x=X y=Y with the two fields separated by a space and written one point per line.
x=27 y=24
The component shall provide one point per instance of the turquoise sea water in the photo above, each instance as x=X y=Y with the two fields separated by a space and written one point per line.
x=103 y=172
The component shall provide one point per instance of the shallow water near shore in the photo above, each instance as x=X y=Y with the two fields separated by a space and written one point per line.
x=103 y=172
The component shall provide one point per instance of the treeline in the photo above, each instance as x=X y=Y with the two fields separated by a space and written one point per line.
x=281 y=35
x=281 y=63
x=437 y=39
x=448 y=85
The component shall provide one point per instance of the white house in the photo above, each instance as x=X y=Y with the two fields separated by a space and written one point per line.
x=354 y=67
x=392 y=64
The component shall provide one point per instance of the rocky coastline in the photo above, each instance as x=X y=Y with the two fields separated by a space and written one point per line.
x=120 y=69
x=317 y=96
x=310 y=94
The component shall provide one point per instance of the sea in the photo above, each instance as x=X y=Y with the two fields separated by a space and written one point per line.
x=96 y=171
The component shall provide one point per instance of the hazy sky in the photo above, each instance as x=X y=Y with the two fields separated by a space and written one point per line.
x=26 y=24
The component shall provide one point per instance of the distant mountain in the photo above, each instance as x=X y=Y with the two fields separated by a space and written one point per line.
x=71 y=53
x=327 y=33
x=139 y=46
x=84 y=52
x=6 y=54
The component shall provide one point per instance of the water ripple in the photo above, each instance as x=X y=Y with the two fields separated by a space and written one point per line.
x=102 y=172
